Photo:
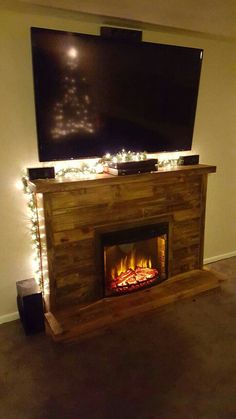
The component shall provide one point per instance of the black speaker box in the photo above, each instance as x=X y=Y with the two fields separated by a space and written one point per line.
x=132 y=167
x=41 y=173
x=121 y=34
x=30 y=306
x=189 y=160
x=136 y=165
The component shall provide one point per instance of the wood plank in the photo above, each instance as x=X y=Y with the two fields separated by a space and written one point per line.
x=73 y=236
x=186 y=233
x=57 y=185
x=171 y=201
x=80 y=324
x=76 y=275
x=50 y=251
x=76 y=254
x=81 y=294
x=79 y=198
x=202 y=224
x=54 y=325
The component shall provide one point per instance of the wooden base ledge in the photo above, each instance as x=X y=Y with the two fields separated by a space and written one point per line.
x=75 y=324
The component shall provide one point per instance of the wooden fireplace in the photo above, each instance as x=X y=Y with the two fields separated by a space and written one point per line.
x=76 y=214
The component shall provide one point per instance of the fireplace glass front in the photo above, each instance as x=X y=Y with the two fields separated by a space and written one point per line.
x=135 y=258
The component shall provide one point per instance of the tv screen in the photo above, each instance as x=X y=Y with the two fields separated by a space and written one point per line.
x=95 y=95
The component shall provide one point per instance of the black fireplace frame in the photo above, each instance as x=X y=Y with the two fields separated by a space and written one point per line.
x=117 y=230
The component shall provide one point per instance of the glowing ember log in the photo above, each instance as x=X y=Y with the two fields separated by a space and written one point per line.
x=131 y=279
x=125 y=278
x=141 y=278
x=146 y=272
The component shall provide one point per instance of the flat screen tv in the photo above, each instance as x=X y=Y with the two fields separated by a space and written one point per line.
x=95 y=95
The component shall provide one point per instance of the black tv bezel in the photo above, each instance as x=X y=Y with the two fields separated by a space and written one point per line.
x=42 y=152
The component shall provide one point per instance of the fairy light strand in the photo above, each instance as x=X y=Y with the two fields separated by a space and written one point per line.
x=82 y=171
x=34 y=229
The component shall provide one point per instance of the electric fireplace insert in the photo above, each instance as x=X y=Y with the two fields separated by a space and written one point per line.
x=134 y=259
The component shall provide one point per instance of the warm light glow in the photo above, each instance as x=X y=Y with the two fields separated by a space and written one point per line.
x=35 y=219
x=19 y=185
x=72 y=52
x=73 y=113
x=168 y=156
x=130 y=261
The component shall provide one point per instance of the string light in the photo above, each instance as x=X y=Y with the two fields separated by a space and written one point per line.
x=168 y=163
x=123 y=156
x=83 y=171
x=34 y=221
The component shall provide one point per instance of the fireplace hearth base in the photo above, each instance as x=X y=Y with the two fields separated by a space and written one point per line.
x=79 y=324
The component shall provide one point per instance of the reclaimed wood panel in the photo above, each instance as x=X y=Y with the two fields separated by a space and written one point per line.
x=72 y=236
x=80 y=294
x=186 y=233
x=79 y=198
x=75 y=211
x=68 y=254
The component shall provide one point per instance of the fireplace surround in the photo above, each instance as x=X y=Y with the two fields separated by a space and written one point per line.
x=134 y=258
x=161 y=213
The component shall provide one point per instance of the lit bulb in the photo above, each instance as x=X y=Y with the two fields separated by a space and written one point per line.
x=72 y=52
x=19 y=185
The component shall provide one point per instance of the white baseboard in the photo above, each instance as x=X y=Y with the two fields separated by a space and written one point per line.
x=219 y=257
x=9 y=317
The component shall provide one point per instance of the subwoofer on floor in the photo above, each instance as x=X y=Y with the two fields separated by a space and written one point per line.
x=30 y=306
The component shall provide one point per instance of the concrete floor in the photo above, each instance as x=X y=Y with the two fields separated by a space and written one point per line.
x=177 y=363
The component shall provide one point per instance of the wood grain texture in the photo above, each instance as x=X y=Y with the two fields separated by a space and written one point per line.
x=77 y=212
x=72 y=324
x=60 y=185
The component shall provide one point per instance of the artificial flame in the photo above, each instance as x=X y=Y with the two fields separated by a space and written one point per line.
x=130 y=261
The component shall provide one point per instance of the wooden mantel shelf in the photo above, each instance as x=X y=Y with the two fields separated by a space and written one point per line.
x=61 y=185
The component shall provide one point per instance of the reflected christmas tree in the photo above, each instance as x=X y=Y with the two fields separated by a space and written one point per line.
x=73 y=112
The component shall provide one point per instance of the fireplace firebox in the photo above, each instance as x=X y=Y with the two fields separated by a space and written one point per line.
x=134 y=258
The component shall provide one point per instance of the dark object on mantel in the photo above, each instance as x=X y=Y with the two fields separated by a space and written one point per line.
x=188 y=160
x=121 y=34
x=132 y=167
x=41 y=173
x=30 y=306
